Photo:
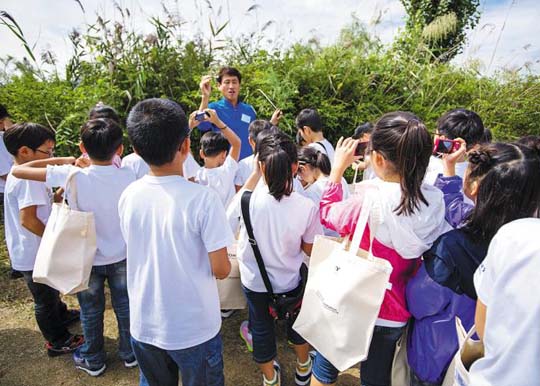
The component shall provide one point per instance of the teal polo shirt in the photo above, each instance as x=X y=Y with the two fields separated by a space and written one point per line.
x=237 y=118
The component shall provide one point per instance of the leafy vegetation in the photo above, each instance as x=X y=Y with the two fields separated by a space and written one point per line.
x=354 y=80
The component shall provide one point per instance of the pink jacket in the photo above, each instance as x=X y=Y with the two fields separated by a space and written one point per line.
x=342 y=217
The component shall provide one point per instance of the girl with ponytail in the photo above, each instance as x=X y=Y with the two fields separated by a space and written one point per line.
x=412 y=218
x=502 y=181
x=285 y=224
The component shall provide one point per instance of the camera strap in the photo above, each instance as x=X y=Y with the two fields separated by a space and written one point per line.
x=244 y=204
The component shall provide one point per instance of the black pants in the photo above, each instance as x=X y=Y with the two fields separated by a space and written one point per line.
x=50 y=311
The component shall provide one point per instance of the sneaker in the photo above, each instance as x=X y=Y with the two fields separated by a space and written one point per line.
x=70 y=345
x=14 y=274
x=131 y=363
x=82 y=364
x=245 y=334
x=302 y=376
x=227 y=313
x=277 y=377
x=70 y=317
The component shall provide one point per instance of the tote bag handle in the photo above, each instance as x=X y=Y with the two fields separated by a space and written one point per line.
x=72 y=188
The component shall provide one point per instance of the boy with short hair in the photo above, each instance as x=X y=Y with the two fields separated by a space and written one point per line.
x=99 y=187
x=456 y=123
x=219 y=168
x=309 y=124
x=27 y=205
x=176 y=234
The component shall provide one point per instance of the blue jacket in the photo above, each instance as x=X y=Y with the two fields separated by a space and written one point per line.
x=443 y=289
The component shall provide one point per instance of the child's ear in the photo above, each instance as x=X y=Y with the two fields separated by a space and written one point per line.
x=294 y=168
x=185 y=147
x=24 y=151
x=474 y=186
x=82 y=148
x=201 y=154
x=120 y=150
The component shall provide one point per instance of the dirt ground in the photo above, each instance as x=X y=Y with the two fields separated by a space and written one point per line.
x=23 y=360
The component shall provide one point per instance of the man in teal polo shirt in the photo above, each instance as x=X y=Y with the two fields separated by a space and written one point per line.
x=235 y=114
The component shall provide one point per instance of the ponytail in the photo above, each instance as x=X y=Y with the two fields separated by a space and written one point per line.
x=401 y=138
x=278 y=154
x=316 y=159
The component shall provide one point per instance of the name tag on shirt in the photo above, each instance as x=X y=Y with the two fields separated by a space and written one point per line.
x=246 y=118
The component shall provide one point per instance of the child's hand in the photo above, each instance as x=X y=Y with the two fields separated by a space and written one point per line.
x=206 y=86
x=192 y=121
x=344 y=153
x=276 y=117
x=449 y=160
x=65 y=160
x=82 y=162
x=214 y=119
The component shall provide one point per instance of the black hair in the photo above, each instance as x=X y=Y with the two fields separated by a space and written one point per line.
x=101 y=138
x=156 y=128
x=364 y=128
x=3 y=112
x=464 y=124
x=31 y=135
x=532 y=141
x=230 y=71
x=310 y=156
x=488 y=136
x=213 y=143
x=256 y=127
x=401 y=138
x=309 y=118
x=103 y=111
x=509 y=187
x=278 y=154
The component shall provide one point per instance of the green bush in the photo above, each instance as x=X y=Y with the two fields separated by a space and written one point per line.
x=350 y=82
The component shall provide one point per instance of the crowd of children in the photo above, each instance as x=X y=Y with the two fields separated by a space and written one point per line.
x=458 y=229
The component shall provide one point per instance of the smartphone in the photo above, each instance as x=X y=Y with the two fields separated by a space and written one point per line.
x=361 y=149
x=201 y=115
x=445 y=146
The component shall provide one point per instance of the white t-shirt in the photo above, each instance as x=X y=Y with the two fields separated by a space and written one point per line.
x=220 y=179
x=245 y=168
x=134 y=162
x=170 y=225
x=279 y=228
x=325 y=147
x=507 y=283
x=6 y=161
x=21 y=243
x=98 y=190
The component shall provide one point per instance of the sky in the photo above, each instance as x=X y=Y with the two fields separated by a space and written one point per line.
x=507 y=36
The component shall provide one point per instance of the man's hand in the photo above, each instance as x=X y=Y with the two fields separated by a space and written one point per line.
x=206 y=86
x=276 y=116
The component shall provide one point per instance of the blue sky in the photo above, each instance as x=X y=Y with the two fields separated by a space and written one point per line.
x=507 y=36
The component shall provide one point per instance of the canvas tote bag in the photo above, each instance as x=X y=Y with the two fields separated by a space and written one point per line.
x=68 y=246
x=469 y=351
x=231 y=295
x=344 y=292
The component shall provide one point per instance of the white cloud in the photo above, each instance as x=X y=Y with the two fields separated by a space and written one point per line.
x=47 y=23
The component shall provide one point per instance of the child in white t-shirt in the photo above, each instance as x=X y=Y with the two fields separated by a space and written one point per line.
x=176 y=235
x=284 y=224
x=245 y=166
x=27 y=205
x=310 y=127
x=134 y=162
x=99 y=187
x=219 y=167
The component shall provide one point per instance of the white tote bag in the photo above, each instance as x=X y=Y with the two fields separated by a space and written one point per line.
x=469 y=351
x=344 y=293
x=231 y=295
x=68 y=246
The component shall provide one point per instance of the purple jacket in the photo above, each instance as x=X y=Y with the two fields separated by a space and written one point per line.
x=434 y=304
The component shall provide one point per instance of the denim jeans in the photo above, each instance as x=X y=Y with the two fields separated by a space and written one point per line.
x=201 y=365
x=92 y=302
x=262 y=326
x=376 y=370
x=50 y=311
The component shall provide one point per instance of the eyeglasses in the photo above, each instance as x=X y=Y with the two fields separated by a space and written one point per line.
x=50 y=153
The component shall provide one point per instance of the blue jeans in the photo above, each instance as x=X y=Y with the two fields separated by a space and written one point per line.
x=376 y=370
x=201 y=365
x=92 y=302
x=262 y=326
